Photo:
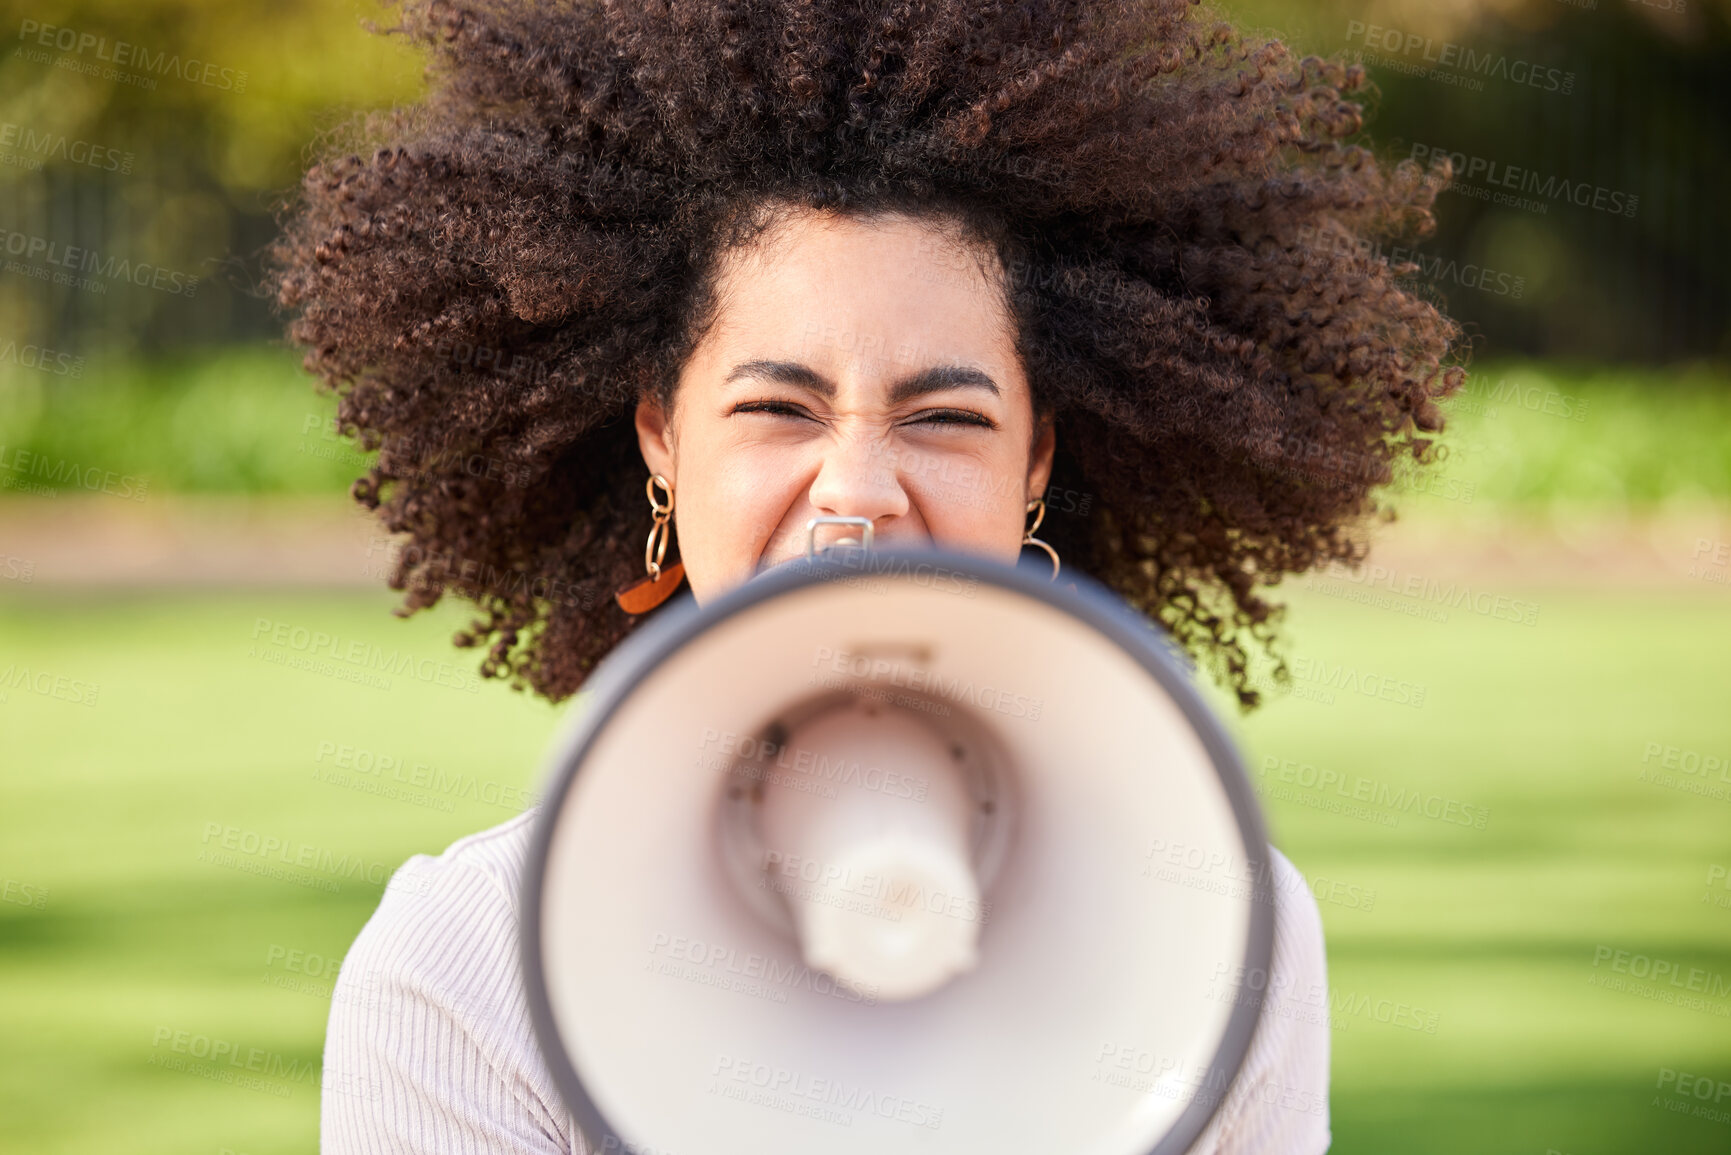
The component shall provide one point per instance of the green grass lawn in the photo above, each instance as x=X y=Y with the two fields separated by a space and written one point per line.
x=1489 y=935
x=248 y=419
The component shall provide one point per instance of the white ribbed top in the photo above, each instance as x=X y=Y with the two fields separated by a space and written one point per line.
x=430 y=1050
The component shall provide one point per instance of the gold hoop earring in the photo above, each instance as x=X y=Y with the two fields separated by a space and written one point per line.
x=655 y=549
x=641 y=597
x=1037 y=507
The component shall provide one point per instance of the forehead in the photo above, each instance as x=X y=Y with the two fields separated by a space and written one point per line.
x=835 y=285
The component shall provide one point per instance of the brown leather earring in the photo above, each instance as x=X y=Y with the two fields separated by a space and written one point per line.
x=641 y=597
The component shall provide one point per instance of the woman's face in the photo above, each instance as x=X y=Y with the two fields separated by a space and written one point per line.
x=856 y=368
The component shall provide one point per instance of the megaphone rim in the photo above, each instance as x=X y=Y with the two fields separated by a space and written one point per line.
x=646 y=648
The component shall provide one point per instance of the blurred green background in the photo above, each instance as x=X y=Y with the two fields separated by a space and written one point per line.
x=1589 y=465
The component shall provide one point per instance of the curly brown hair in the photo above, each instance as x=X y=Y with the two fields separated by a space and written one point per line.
x=1179 y=208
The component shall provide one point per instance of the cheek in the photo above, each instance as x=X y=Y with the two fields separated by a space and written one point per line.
x=972 y=507
x=736 y=502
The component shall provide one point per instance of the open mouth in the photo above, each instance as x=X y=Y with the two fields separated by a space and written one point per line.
x=767 y=563
x=852 y=533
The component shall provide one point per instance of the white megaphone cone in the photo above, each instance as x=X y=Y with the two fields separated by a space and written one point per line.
x=869 y=855
x=886 y=870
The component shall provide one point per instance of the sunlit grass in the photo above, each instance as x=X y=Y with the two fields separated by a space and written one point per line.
x=1493 y=931
x=249 y=420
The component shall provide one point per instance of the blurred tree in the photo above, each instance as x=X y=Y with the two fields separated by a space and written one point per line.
x=164 y=132
x=1593 y=160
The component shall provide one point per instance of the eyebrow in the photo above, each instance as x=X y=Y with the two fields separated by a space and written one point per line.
x=929 y=380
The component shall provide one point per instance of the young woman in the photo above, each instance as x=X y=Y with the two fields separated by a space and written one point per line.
x=953 y=267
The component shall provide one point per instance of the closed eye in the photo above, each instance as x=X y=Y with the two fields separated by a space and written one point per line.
x=776 y=408
x=954 y=417
x=929 y=417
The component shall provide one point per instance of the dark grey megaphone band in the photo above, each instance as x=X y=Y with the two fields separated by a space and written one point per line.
x=641 y=653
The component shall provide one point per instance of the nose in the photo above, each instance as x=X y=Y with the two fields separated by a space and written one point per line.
x=857 y=478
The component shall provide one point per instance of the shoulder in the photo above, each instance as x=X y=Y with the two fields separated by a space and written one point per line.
x=446 y=927
x=1300 y=954
x=1279 y=1101
x=429 y=1045
x=496 y=855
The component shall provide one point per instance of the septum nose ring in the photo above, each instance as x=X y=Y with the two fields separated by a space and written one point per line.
x=863 y=541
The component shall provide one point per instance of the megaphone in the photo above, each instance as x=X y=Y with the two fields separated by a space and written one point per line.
x=856 y=858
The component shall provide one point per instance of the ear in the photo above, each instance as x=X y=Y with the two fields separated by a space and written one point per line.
x=1040 y=458
x=655 y=437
